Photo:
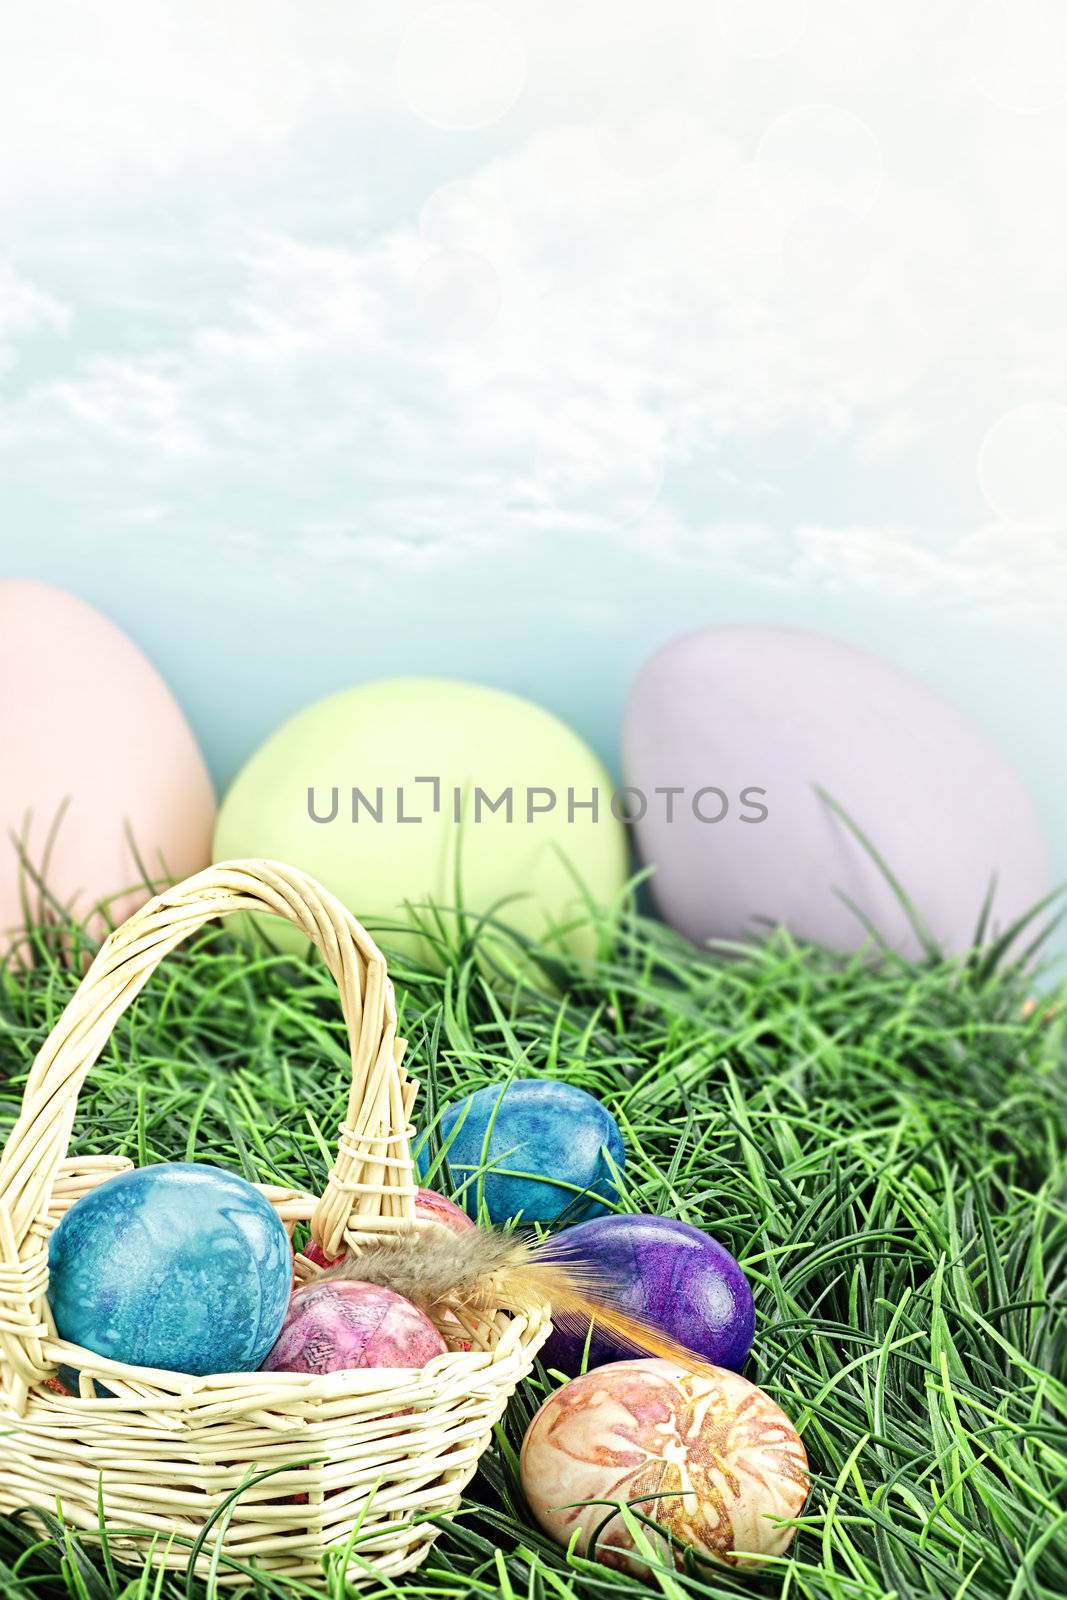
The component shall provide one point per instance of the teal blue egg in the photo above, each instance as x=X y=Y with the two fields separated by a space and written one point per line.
x=539 y=1150
x=180 y=1266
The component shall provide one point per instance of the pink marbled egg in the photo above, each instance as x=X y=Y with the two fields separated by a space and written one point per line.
x=727 y=1459
x=429 y=1207
x=340 y=1325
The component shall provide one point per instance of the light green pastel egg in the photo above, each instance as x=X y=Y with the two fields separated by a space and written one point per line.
x=429 y=759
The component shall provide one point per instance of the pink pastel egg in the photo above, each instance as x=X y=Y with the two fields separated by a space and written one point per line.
x=726 y=1458
x=429 y=1207
x=94 y=745
x=340 y=1325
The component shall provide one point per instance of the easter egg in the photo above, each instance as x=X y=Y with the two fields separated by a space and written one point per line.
x=342 y=1324
x=746 y=723
x=180 y=1266
x=95 y=748
x=545 y=1148
x=669 y=1274
x=387 y=793
x=725 y=1458
x=429 y=1207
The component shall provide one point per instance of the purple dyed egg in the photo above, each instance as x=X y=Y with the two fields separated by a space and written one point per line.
x=670 y=1274
x=744 y=724
x=340 y=1325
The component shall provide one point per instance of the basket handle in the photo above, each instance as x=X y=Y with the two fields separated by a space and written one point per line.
x=370 y=1188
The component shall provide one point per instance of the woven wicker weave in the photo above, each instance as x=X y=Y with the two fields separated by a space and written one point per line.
x=381 y=1449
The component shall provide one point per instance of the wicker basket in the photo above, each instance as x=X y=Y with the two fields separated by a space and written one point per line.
x=374 y=1451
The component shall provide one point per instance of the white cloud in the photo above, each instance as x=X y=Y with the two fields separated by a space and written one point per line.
x=110 y=98
x=25 y=309
x=461 y=65
x=994 y=571
x=135 y=404
x=759 y=306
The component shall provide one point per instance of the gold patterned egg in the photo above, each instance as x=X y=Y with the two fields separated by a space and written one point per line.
x=726 y=1459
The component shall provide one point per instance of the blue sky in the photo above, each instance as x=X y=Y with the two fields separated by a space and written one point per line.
x=507 y=341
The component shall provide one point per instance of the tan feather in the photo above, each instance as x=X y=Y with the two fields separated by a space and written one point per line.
x=482 y=1271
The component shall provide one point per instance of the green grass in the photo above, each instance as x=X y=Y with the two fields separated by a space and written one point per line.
x=882 y=1147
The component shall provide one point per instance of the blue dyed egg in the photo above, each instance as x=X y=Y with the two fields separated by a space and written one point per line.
x=180 y=1266
x=668 y=1274
x=547 y=1148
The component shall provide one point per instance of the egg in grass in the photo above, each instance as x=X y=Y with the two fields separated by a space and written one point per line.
x=701 y=1452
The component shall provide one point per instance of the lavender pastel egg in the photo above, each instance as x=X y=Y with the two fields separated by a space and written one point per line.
x=180 y=1266
x=707 y=1456
x=343 y=1324
x=538 y=1149
x=669 y=1274
x=746 y=724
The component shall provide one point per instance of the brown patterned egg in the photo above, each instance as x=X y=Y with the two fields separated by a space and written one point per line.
x=726 y=1458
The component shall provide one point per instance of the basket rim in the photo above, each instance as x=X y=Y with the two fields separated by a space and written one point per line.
x=184 y=1383
x=299 y=1203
